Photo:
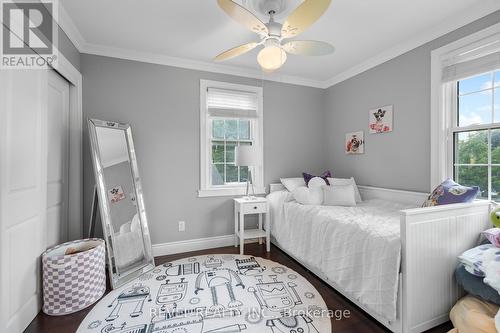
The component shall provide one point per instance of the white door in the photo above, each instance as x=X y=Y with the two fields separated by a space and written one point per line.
x=23 y=194
x=57 y=168
x=34 y=115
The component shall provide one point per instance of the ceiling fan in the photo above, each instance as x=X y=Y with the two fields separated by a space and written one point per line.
x=273 y=34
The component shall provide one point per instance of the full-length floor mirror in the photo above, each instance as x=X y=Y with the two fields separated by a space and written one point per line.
x=121 y=202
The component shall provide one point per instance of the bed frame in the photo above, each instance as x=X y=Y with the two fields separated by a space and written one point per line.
x=431 y=240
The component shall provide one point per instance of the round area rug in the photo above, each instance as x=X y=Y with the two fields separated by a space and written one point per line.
x=212 y=294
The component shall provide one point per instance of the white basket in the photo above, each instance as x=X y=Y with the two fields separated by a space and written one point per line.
x=73 y=282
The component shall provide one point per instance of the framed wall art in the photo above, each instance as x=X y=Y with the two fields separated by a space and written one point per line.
x=354 y=143
x=380 y=120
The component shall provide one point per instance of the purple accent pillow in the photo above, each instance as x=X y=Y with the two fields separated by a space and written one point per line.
x=449 y=192
x=493 y=235
x=324 y=175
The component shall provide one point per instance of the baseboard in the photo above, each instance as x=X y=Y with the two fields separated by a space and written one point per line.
x=194 y=245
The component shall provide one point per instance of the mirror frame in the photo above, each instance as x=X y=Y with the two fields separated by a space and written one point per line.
x=118 y=278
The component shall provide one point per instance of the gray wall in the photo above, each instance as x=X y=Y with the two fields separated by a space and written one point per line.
x=162 y=105
x=400 y=159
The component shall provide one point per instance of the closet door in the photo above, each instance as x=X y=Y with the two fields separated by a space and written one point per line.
x=23 y=194
x=57 y=168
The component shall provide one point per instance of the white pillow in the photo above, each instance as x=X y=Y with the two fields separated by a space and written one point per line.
x=339 y=195
x=292 y=183
x=308 y=196
x=316 y=182
x=136 y=224
x=347 y=181
x=125 y=228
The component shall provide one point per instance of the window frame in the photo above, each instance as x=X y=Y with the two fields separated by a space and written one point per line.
x=257 y=126
x=455 y=128
x=444 y=101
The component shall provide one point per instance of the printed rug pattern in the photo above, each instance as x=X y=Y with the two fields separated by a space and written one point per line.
x=212 y=294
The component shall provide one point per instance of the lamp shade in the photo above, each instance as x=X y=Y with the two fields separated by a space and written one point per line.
x=246 y=156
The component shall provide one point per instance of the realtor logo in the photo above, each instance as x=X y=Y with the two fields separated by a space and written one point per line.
x=29 y=34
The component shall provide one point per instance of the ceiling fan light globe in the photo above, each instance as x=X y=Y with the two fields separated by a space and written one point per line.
x=271 y=58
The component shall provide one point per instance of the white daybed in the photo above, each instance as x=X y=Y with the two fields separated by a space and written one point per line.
x=426 y=244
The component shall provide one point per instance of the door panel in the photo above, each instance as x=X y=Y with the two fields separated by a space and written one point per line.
x=22 y=131
x=23 y=194
x=22 y=291
x=57 y=168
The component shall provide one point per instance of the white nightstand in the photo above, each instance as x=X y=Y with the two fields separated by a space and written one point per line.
x=244 y=207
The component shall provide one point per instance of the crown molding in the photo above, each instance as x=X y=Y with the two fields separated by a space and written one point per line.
x=466 y=17
x=161 y=59
x=68 y=26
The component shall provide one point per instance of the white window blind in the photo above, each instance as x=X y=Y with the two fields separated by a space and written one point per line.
x=469 y=68
x=223 y=103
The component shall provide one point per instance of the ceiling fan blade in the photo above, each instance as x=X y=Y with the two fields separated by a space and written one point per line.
x=303 y=17
x=236 y=51
x=308 y=48
x=243 y=16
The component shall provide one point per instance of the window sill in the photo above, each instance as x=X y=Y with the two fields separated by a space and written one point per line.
x=225 y=192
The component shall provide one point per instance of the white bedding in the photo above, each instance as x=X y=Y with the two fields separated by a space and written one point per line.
x=357 y=247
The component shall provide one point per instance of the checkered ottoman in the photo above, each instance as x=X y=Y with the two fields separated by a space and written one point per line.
x=73 y=282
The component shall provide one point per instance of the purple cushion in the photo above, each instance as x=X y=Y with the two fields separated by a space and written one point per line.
x=449 y=192
x=324 y=175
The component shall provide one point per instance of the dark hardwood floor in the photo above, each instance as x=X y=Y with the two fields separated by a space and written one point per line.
x=358 y=321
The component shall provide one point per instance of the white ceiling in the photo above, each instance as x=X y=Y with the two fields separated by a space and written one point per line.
x=189 y=33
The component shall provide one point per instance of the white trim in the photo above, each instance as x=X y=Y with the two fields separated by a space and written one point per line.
x=441 y=143
x=205 y=145
x=68 y=26
x=466 y=17
x=75 y=176
x=441 y=208
x=190 y=245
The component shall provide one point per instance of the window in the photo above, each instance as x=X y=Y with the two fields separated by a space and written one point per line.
x=230 y=116
x=227 y=134
x=465 y=112
x=476 y=134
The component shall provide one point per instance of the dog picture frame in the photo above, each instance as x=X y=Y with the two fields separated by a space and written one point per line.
x=354 y=143
x=381 y=120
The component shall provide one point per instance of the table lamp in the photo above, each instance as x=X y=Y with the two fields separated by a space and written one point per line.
x=247 y=156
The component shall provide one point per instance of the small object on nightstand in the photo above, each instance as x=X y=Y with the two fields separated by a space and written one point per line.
x=244 y=206
x=246 y=156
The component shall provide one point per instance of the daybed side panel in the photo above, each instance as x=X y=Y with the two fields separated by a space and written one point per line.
x=432 y=238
